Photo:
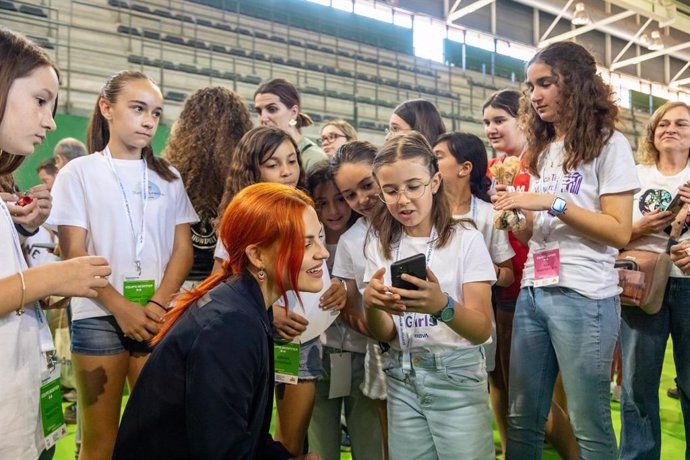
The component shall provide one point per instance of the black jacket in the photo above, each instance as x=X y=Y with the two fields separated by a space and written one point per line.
x=206 y=392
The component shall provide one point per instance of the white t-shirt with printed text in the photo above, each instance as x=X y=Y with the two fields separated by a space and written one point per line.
x=482 y=214
x=586 y=266
x=465 y=259
x=86 y=194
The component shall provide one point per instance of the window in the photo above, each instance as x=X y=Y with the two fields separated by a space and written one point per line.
x=374 y=10
x=344 y=5
x=427 y=38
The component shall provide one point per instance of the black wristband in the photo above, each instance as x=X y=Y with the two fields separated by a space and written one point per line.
x=24 y=232
x=156 y=303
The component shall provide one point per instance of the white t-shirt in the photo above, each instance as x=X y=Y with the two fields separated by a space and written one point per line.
x=586 y=266
x=482 y=213
x=36 y=256
x=464 y=259
x=21 y=363
x=349 y=264
x=86 y=194
x=657 y=192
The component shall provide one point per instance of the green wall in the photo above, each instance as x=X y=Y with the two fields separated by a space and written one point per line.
x=68 y=126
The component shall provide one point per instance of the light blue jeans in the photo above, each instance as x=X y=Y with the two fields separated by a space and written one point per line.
x=360 y=412
x=643 y=346
x=557 y=328
x=440 y=408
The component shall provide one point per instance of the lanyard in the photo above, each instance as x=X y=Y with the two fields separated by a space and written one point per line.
x=45 y=339
x=139 y=245
x=403 y=334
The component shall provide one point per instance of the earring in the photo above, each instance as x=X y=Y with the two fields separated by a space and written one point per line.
x=293 y=122
x=261 y=274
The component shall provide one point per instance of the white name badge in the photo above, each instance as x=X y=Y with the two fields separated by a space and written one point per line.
x=341 y=375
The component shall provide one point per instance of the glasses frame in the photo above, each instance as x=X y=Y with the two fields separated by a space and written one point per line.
x=406 y=192
x=334 y=136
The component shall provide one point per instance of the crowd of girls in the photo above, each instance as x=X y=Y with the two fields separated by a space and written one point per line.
x=185 y=270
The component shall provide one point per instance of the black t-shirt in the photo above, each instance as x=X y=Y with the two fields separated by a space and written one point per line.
x=204 y=241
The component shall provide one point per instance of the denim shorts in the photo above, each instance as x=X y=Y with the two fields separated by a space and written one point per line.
x=310 y=359
x=103 y=336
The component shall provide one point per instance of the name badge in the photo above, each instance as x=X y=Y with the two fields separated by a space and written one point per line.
x=286 y=360
x=547 y=265
x=138 y=289
x=341 y=375
x=52 y=418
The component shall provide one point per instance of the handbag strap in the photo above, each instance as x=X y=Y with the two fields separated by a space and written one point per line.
x=679 y=222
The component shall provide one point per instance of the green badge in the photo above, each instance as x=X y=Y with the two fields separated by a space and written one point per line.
x=138 y=291
x=54 y=427
x=286 y=362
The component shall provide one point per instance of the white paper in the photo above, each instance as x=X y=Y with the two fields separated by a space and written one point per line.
x=319 y=320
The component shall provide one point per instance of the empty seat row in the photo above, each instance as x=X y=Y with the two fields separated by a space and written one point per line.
x=219 y=48
x=26 y=9
x=265 y=36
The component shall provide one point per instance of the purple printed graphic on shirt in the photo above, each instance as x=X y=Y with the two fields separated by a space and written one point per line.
x=572 y=183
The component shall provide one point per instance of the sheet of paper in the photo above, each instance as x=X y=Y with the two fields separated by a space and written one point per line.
x=319 y=320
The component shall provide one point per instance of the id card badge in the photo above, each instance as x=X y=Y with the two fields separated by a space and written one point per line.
x=286 y=360
x=53 y=420
x=547 y=265
x=341 y=375
x=138 y=288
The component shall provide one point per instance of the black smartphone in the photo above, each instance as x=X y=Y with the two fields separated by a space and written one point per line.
x=413 y=266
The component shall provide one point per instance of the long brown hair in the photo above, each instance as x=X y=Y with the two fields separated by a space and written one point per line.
x=587 y=111
x=410 y=146
x=647 y=153
x=19 y=57
x=423 y=117
x=254 y=149
x=201 y=144
x=250 y=220
x=98 y=132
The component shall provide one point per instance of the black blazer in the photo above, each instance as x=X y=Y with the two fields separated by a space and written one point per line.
x=206 y=391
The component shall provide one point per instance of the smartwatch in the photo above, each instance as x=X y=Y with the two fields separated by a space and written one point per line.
x=558 y=207
x=447 y=313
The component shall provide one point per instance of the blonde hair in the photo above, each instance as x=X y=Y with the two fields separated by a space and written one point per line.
x=647 y=153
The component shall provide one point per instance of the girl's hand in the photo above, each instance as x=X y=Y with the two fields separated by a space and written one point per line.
x=81 y=276
x=653 y=222
x=134 y=321
x=429 y=298
x=377 y=295
x=335 y=296
x=527 y=201
x=34 y=214
x=288 y=324
x=680 y=256
x=155 y=313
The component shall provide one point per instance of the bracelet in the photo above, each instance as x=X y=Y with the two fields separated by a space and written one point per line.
x=24 y=232
x=20 y=311
x=156 y=303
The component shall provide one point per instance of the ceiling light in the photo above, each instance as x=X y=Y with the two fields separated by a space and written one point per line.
x=580 y=18
x=655 y=41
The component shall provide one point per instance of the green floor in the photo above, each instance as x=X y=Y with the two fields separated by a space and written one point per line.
x=673 y=437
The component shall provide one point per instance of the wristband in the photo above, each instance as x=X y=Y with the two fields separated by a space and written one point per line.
x=24 y=232
x=156 y=303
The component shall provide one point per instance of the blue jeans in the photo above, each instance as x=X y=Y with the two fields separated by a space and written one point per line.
x=643 y=345
x=440 y=408
x=557 y=328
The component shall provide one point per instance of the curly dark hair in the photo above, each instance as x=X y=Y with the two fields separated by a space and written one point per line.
x=587 y=111
x=256 y=147
x=201 y=144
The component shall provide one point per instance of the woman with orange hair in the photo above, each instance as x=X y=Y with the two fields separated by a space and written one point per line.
x=210 y=376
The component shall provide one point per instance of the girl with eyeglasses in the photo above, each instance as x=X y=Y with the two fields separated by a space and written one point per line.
x=437 y=381
x=334 y=134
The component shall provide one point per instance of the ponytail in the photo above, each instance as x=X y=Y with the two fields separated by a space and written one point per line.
x=98 y=132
